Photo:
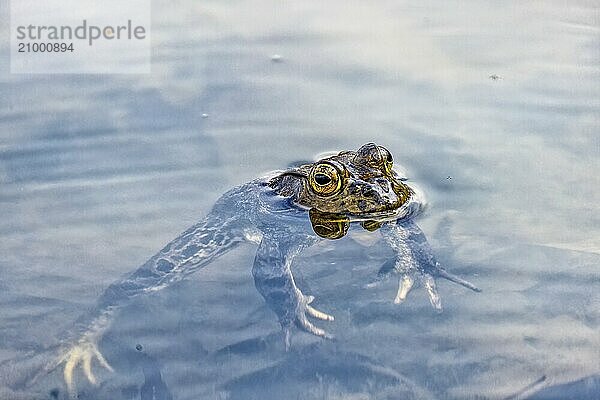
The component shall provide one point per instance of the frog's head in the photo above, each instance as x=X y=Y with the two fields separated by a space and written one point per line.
x=357 y=183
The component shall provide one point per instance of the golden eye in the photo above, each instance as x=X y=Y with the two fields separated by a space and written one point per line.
x=325 y=179
x=376 y=157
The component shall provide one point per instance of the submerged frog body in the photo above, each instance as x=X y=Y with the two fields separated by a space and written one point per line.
x=284 y=213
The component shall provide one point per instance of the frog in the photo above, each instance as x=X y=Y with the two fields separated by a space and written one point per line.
x=283 y=213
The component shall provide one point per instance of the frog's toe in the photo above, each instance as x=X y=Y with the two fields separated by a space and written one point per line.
x=83 y=354
x=441 y=272
x=306 y=325
x=404 y=286
x=68 y=374
x=430 y=286
x=302 y=321
x=313 y=312
x=86 y=364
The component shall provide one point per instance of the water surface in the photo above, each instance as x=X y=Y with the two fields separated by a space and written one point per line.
x=98 y=172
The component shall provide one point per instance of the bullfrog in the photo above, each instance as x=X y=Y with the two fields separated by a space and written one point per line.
x=284 y=213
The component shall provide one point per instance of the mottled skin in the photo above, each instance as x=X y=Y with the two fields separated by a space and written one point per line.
x=284 y=213
x=365 y=184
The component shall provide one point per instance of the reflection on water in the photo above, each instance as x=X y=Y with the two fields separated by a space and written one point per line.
x=98 y=172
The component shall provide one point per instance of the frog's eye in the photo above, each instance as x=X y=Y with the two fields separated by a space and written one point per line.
x=322 y=179
x=325 y=179
x=377 y=157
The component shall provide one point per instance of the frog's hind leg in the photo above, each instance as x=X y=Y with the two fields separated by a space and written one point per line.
x=415 y=259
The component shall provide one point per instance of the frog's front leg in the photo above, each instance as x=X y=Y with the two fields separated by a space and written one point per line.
x=415 y=259
x=274 y=280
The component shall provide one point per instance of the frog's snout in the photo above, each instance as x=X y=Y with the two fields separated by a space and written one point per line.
x=379 y=192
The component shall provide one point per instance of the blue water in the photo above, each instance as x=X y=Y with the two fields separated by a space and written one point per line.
x=97 y=173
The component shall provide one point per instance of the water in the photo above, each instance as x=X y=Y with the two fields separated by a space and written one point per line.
x=97 y=173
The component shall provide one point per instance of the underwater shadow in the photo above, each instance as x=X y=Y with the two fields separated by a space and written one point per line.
x=323 y=370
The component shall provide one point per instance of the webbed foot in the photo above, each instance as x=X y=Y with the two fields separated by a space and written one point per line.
x=301 y=313
x=84 y=352
x=427 y=277
x=407 y=282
